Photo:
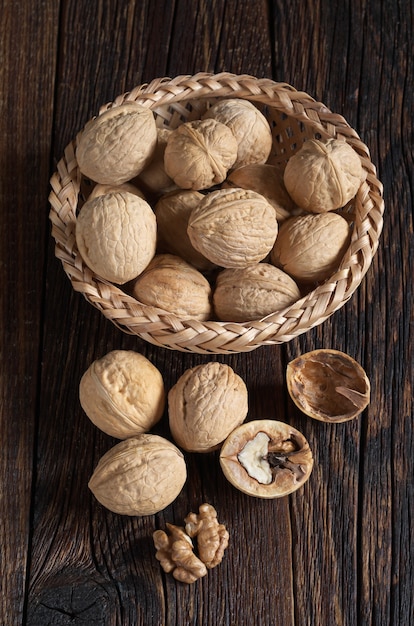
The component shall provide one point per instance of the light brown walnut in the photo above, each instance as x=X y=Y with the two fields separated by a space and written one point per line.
x=173 y=285
x=102 y=190
x=268 y=181
x=141 y=475
x=253 y=292
x=116 y=235
x=212 y=537
x=199 y=154
x=310 y=247
x=175 y=554
x=328 y=385
x=154 y=178
x=206 y=403
x=115 y=146
x=248 y=125
x=266 y=459
x=122 y=393
x=323 y=175
x=233 y=227
x=173 y=211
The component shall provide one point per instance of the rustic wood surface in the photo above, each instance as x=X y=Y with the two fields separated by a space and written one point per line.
x=337 y=552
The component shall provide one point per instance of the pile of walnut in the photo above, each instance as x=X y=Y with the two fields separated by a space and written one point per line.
x=197 y=222
x=124 y=395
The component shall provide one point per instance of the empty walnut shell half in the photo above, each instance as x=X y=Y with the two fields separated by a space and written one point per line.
x=328 y=385
x=266 y=459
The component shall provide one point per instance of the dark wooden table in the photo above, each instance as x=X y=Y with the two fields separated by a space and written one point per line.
x=337 y=552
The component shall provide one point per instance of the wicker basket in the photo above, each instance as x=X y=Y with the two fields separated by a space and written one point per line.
x=294 y=117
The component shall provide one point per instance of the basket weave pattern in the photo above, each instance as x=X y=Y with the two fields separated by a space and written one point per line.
x=294 y=117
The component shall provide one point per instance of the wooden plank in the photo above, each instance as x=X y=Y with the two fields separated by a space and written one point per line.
x=27 y=68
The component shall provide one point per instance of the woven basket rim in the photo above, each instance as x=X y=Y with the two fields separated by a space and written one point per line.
x=168 y=330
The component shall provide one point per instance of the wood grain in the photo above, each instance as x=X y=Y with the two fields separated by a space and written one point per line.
x=337 y=552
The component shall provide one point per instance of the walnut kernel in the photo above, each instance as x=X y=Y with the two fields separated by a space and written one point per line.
x=175 y=554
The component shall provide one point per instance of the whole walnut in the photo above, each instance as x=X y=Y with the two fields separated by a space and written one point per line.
x=153 y=177
x=115 y=146
x=266 y=180
x=199 y=154
x=323 y=176
x=252 y=292
x=172 y=284
x=116 y=235
x=141 y=475
x=206 y=403
x=310 y=247
x=122 y=393
x=233 y=227
x=173 y=212
x=248 y=125
x=102 y=190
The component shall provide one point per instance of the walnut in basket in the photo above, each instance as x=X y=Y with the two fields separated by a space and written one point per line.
x=323 y=175
x=233 y=227
x=249 y=126
x=115 y=146
x=153 y=177
x=253 y=292
x=199 y=154
x=310 y=247
x=116 y=235
x=173 y=285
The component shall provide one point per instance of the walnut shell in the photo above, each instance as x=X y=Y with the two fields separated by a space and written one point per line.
x=233 y=227
x=310 y=247
x=116 y=235
x=122 y=393
x=173 y=211
x=206 y=403
x=153 y=177
x=323 y=176
x=199 y=154
x=172 y=284
x=141 y=475
x=266 y=459
x=248 y=125
x=253 y=292
x=102 y=190
x=115 y=146
x=328 y=385
x=266 y=180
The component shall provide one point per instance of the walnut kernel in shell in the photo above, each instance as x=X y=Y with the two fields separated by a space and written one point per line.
x=141 y=475
x=233 y=227
x=206 y=403
x=328 y=385
x=122 y=393
x=116 y=235
x=253 y=292
x=266 y=459
x=117 y=144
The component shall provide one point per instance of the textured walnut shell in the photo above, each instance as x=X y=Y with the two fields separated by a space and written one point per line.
x=141 y=475
x=115 y=146
x=116 y=235
x=248 y=125
x=266 y=180
x=253 y=292
x=199 y=154
x=328 y=385
x=206 y=403
x=233 y=227
x=173 y=212
x=122 y=393
x=153 y=177
x=102 y=190
x=171 y=284
x=323 y=176
x=310 y=247
x=266 y=459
